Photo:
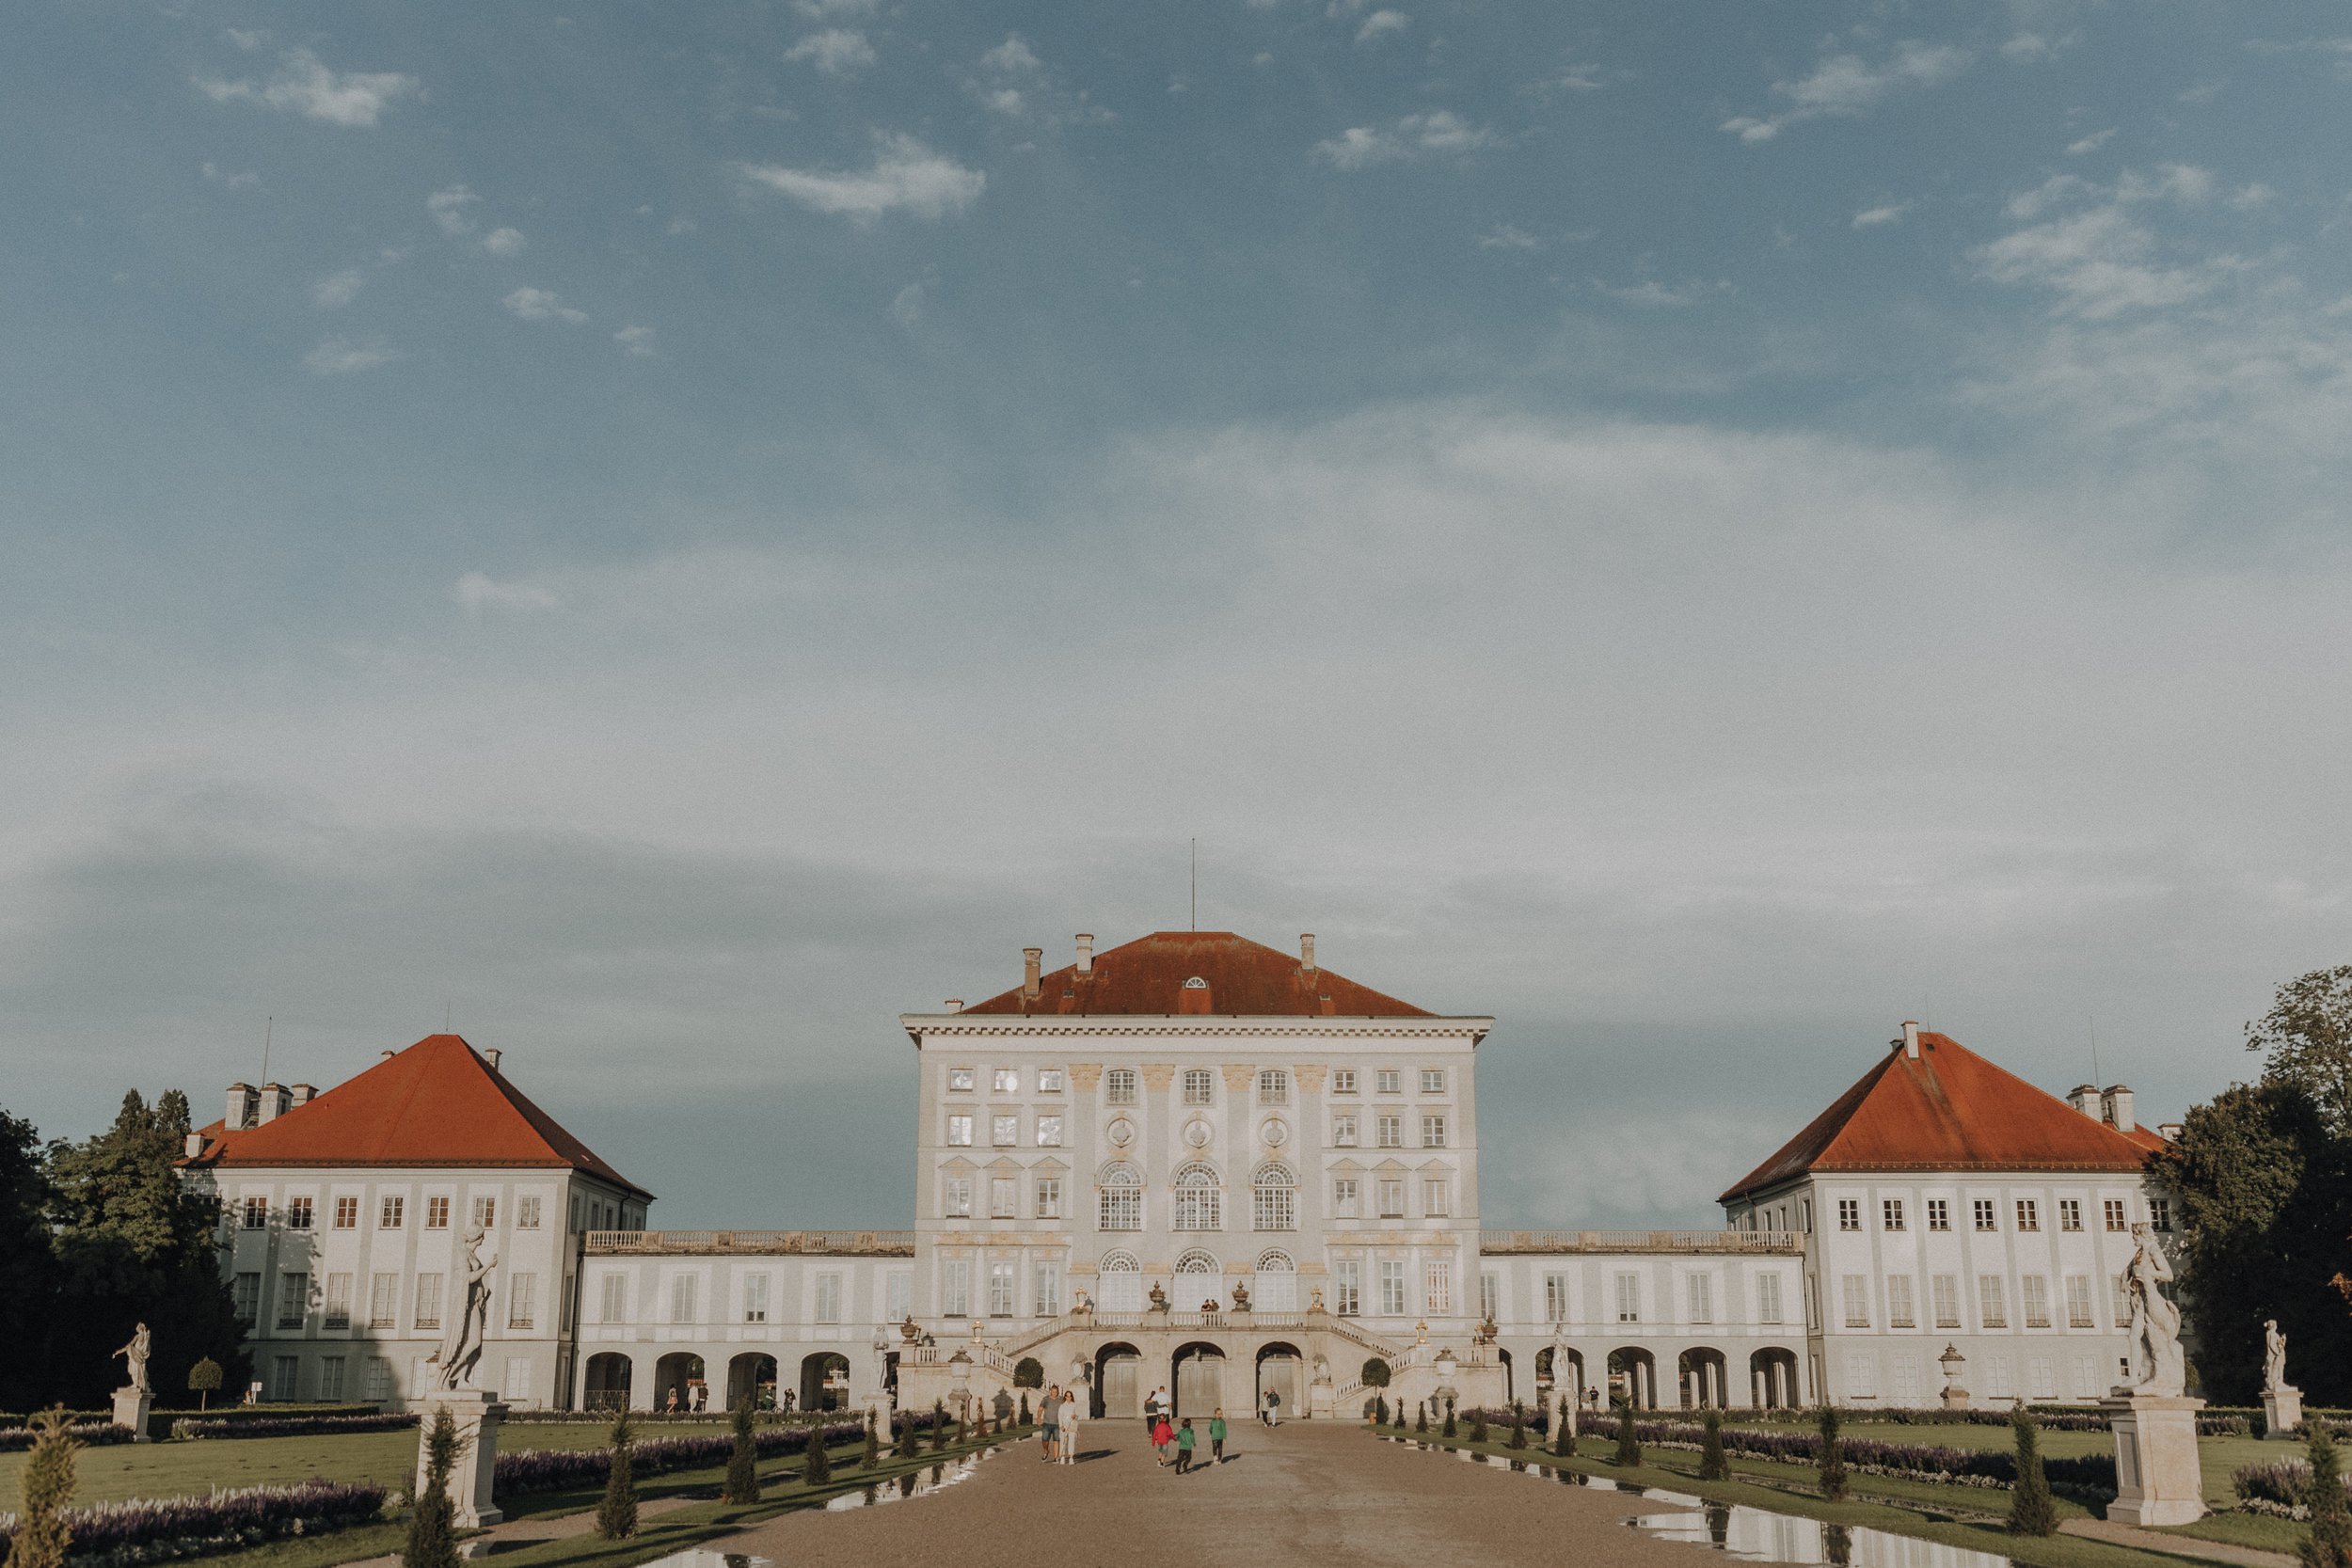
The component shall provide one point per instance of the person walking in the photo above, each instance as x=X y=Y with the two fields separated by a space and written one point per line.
x=1217 y=1437
x=1152 y=1405
x=1073 y=1411
x=1162 y=1435
x=1273 y=1408
x=1049 y=1423
x=1185 y=1442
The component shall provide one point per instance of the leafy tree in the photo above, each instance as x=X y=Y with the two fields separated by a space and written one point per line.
x=816 y=1467
x=1629 y=1442
x=2306 y=1039
x=204 y=1382
x=1832 y=1461
x=47 y=1488
x=1376 y=1373
x=433 y=1527
x=27 y=1274
x=2329 y=1545
x=1028 y=1372
x=2030 y=1510
x=616 y=1515
x=743 y=1485
x=1712 y=1465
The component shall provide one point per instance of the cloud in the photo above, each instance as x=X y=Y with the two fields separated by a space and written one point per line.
x=1379 y=23
x=905 y=177
x=1663 y=296
x=1848 y=85
x=2091 y=143
x=824 y=10
x=306 y=86
x=1010 y=80
x=1439 y=133
x=1882 y=215
x=337 y=289
x=1013 y=56
x=238 y=181
x=2100 y=260
x=907 y=305
x=504 y=242
x=2201 y=94
x=478 y=593
x=2247 y=197
x=452 y=208
x=342 y=356
x=1506 y=236
x=2037 y=48
x=636 y=341
x=541 y=305
x=837 y=51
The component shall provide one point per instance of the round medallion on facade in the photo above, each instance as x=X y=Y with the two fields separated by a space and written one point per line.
x=1275 y=1132
x=1122 y=1133
x=1197 y=1132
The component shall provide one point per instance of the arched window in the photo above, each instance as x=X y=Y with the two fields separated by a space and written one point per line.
x=1199 y=1279
x=1273 y=1199
x=1118 y=1086
x=1122 y=1198
x=1278 y=1282
x=1200 y=1200
x=1119 y=1283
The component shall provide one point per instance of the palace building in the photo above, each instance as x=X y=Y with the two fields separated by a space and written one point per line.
x=1195 y=1161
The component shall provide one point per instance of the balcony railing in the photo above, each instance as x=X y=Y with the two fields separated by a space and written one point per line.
x=846 y=1244
x=1783 y=1243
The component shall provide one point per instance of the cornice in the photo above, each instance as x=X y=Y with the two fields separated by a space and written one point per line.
x=1170 y=1025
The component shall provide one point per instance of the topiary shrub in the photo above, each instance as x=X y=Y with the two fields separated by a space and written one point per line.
x=1518 y=1426
x=906 y=1449
x=872 y=1456
x=1832 y=1463
x=2329 y=1545
x=1629 y=1444
x=743 y=1482
x=2030 y=1510
x=1563 y=1431
x=817 y=1468
x=204 y=1382
x=939 y=1427
x=1421 y=1415
x=1380 y=1410
x=1477 y=1422
x=1712 y=1465
x=42 y=1535
x=616 y=1515
x=1376 y=1373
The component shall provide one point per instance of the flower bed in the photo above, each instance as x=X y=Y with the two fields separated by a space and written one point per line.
x=150 y=1529
x=288 y=1426
x=2280 y=1487
x=94 y=1433
x=552 y=1469
x=2087 y=1474
x=724 y=1418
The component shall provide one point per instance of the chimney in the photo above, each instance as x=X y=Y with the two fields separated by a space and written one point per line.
x=491 y=1056
x=388 y=1055
x=2169 y=1130
x=274 y=1100
x=1911 y=1039
x=1032 y=959
x=2085 y=1097
x=193 y=1144
x=305 y=1093
x=1307 y=951
x=240 y=1107
x=2118 y=1102
x=1086 y=952
x=955 y=1003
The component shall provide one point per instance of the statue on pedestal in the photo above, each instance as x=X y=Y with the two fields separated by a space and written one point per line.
x=133 y=1357
x=2157 y=1364
x=2274 y=1357
x=470 y=1326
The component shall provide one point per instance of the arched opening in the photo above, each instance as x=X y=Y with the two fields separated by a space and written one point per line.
x=1700 y=1373
x=1118 y=1381
x=676 y=1378
x=1119 y=1280
x=607 y=1386
x=1560 y=1375
x=1028 y=1372
x=1510 y=1389
x=1633 y=1376
x=825 y=1381
x=1200 y=1284
x=1773 y=1378
x=752 y=1376
x=1279 y=1374
x=1198 y=1382
x=1277 y=1291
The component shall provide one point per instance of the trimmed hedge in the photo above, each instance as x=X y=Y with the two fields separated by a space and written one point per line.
x=149 y=1530
x=96 y=1435
x=289 y=1426
x=2087 y=1473
x=553 y=1469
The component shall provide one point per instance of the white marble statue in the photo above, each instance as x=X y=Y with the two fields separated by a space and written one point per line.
x=470 y=1326
x=2274 y=1357
x=2157 y=1363
x=133 y=1357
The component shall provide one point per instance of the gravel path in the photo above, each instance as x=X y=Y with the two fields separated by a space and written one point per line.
x=1308 y=1493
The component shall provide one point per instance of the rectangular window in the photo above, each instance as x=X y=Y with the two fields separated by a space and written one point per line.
x=257 y=1213
x=1490 y=1296
x=1049 y=1197
x=1555 y=1298
x=2078 y=1302
x=1938 y=1214
x=1768 y=1298
x=1004 y=1131
x=2070 y=1213
x=1049 y=1290
x=1344 y=1202
x=960 y=1131
x=297 y=1214
x=384 y=1301
x=955 y=1283
x=961 y=1080
x=1849 y=1213
x=1344 y=1080
x=346 y=1213
x=2034 y=1290
x=389 y=1213
x=1944 y=1291
x=1391 y=1132
x=1000 y=1290
x=1049 y=1080
x=436 y=1213
x=1003 y=1195
x=2040 y=1380
x=1343 y=1130
x=2028 y=1217
x=1200 y=1086
x=1812 y=1305
x=1007 y=1080
x=829 y=1298
x=283 y=1372
x=2159 y=1213
x=1438 y=1286
x=522 y=1301
x=1992 y=1302
x=332 y=1378
x=615 y=1299
x=1996 y=1376
x=755 y=1298
x=1855 y=1290
x=1433 y=1131
x=1349 y=1288
x=1433 y=1080
x=682 y=1298
x=1891 y=1214
x=899 y=1297
x=1982 y=1208
x=1389 y=1080
x=379 y=1384
x=293 y=1299
x=1122 y=1208
x=335 y=1312
x=1273 y=1207
x=1436 y=1198
x=2113 y=1209
x=1898 y=1312
x=1700 y=1290
x=955 y=1198
x=1274 y=1086
x=1392 y=1199
x=1629 y=1298
x=485 y=1214
x=1862 y=1374
x=1392 y=1289
x=1049 y=1132
x=1118 y=1086
x=526 y=1213
x=428 y=1301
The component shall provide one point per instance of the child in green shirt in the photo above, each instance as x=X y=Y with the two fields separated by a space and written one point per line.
x=1185 y=1443
x=1217 y=1435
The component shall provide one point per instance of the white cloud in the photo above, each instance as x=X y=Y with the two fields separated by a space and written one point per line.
x=1381 y=22
x=823 y=10
x=2038 y=48
x=541 y=305
x=452 y=208
x=1010 y=80
x=1658 y=295
x=337 y=289
x=2099 y=261
x=238 y=181
x=306 y=86
x=2201 y=94
x=1849 y=85
x=248 y=39
x=1508 y=237
x=2247 y=197
x=504 y=242
x=340 y=356
x=2091 y=143
x=907 y=305
x=1013 y=56
x=1877 y=217
x=1439 y=134
x=477 y=591
x=905 y=177
x=837 y=51
x=636 y=341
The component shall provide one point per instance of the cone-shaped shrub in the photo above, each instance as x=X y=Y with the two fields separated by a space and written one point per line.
x=47 y=1486
x=742 y=1483
x=939 y=1427
x=1629 y=1446
x=2030 y=1511
x=907 y=1448
x=1380 y=1410
x=872 y=1456
x=981 y=1427
x=817 y=1468
x=1833 y=1459
x=616 y=1515
x=1712 y=1465
x=1478 y=1421
x=2329 y=1545
x=1024 y=1409
x=961 y=1436
x=1564 y=1431
x=1518 y=1426
x=1421 y=1415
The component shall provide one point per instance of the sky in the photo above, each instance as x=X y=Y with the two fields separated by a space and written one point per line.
x=665 y=536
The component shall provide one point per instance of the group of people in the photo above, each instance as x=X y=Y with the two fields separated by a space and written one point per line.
x=1175 y=1440
x=1059 y=1417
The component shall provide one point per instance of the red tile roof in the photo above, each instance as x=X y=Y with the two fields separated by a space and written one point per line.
x=1949 y=1109
x=436 y=1103
x=1245 y=979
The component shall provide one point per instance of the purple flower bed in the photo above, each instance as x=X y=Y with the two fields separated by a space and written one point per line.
x=552 y=1469
x=2284 y=1481
x=96 y=1435
x=147 y=1528
x=1921 y=1461
x=289 y=1426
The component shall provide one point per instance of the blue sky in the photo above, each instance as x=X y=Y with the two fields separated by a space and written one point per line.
x=677 y=534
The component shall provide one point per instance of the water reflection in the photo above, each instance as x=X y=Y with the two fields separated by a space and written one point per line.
x=698 y=1559
x=915 y=1483
x=1761 y=1536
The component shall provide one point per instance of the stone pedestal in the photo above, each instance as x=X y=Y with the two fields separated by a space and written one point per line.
x=2283 y=1412
x=1955 y=1398
x=477 y=1415
x=132 y=1405
x=2158 y=1479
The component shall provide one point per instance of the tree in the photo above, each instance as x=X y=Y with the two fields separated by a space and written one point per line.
x=433 y=1527
x=939 y=1427
x=742 y=1483
x=1629 y=1442
x=1564 y=1431
x=1518 y=1426
x=47 y=1487
x=1380 y=1410
x=2306 y=1039
x=1478 y=1421
x=816 y=1467
x=27 y=1274
x=2030 y=1510
x=1832 y=1460
x=1376 y=1373
x=1712 y=1465
x=204 y=1382
x=2329 y=1545
x=1421 y=1415
x=616 y=1515
x=1028 y=1372
x=872 y=1456
x=906 y=1449
x=1024 y=1417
